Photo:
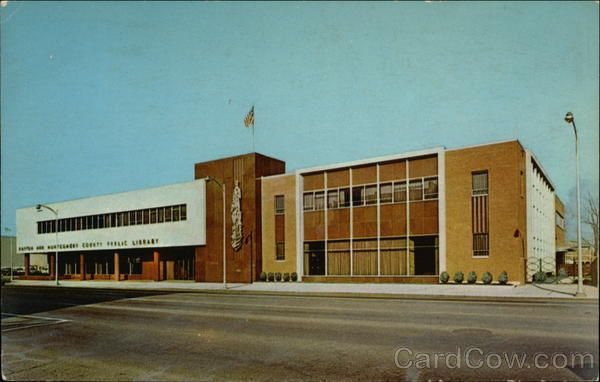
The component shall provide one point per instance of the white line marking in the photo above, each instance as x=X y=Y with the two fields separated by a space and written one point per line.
x=53 y=321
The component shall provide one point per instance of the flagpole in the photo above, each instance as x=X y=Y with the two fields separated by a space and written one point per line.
x=253 y=119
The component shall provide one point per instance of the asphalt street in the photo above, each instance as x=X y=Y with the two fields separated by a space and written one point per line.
x=92 y=334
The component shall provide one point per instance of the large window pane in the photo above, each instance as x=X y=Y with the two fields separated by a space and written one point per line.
x=332 y=199
x=309 y=201
x=344 y=197
x=416 y=189
x=358 y=196
x=371 y=194
x=430 y=189
x=385 y=193
x=319 y=200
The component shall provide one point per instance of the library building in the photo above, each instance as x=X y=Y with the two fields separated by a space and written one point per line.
x=397 y=218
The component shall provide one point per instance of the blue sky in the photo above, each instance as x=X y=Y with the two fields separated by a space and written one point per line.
x=104 y=97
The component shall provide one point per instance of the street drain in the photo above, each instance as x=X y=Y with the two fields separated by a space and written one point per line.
x=472 y=332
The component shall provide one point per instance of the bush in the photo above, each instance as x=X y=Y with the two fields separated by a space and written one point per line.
x=487 y=278
x=472 y=277
x=277 y=276
x=459 y=277
x=271 y=276
x=503 y=278
x=286 y=276
x=294 y=276
x=263 y=276
x=539 y=277
x=444 y=277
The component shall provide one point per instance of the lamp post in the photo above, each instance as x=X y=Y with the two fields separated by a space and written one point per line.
x=7 y=230
x=569 y=118
x=55 y=212
x=222 y=186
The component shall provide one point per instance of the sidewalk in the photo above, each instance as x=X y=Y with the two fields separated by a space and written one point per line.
x=415 y=291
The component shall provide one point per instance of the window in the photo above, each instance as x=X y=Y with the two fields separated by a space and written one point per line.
x=279 y=204
x=175 y=214
x=132 y=218
x=481 y=245
x=399 y=192
x=182 y=212
x=309 y=201
x=358 y=196
x=415 y=188
x=167 y=214
x=332 y=199
x=344 y=197
x=280 y=251
x=480 y=214
x=480 y=183
x=385 y=193
x=430 y=188
x=371 y=194
x=146 y=216
x=319 y=200
x=153 y=216
x=161 y=214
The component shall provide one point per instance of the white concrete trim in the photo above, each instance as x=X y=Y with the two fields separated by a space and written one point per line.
x=441 y=212
x=326 y=228
x=351 y=224
x=485 y=144
x=299 y=226
x=407 y=220
x=379 y=223
x=383 y=158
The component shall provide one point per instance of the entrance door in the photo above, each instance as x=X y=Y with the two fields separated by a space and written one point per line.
x=316 y=258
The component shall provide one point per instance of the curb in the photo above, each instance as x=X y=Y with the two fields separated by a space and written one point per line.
x=375 y=296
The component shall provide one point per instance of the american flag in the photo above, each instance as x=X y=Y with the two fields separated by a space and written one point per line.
x=249 y=120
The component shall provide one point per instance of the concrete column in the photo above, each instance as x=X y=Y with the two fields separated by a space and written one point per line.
x=117 y=275
x=52 y=265
x=81 y=267
x=156 y=266
x=26 y=264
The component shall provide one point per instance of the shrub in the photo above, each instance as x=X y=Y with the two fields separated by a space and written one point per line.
x=277 y=276
x=263 y=276
x=472 y=277
x=444 y=277
x=294 y=276
x=539 y=277
x=271 y=276
x=286 y=276
x=487 y=278
x=503 y=278
x=459 y=277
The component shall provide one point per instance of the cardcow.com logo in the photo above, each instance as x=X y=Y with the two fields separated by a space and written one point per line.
x=476 y=358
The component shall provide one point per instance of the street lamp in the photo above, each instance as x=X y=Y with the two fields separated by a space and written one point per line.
x=7 y=230
x=55 y=212
x=222 y=186
x=569 y=118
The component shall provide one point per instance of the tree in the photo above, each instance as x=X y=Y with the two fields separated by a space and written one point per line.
x=591 y=219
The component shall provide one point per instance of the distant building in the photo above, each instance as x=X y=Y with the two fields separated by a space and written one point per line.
x=8 y=248
x=397 y=218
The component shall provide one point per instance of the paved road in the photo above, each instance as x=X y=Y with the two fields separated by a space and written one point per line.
x=84 y=334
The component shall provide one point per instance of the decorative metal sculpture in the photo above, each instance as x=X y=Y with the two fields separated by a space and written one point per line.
x=236 y=217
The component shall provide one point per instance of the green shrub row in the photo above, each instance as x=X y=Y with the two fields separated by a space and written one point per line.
x=486 y=278
x=278 y=276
